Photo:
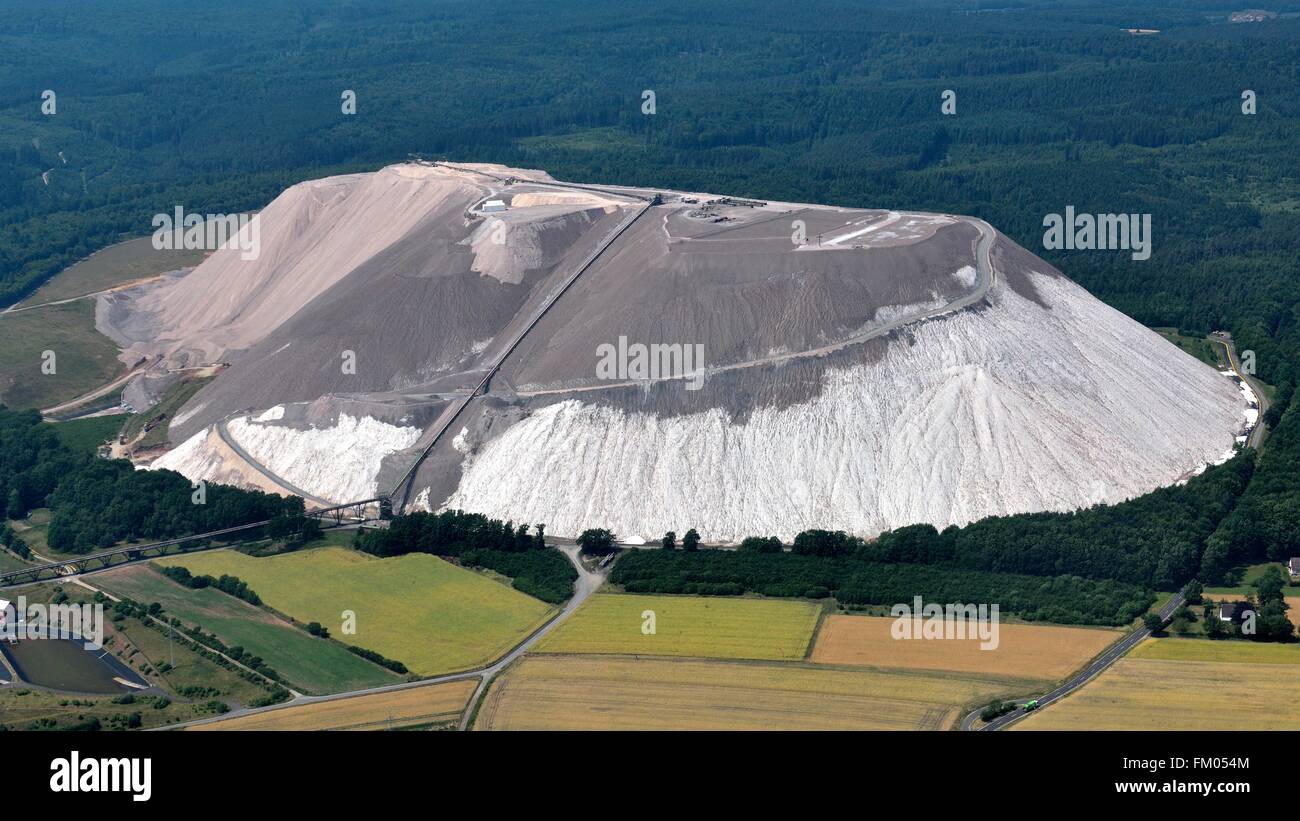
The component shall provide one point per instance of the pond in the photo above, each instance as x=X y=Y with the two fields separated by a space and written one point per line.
x=65 y=664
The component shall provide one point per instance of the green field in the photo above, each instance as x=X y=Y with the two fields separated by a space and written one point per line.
x=1198 y=346
x=9 y=561
x=148 y=652
x=699 y=626
x=84 y=358
x=428 y=614
x=89 y=433
x=113 y=266
x=1249 y=576
x=310 y=664
x=32 y=529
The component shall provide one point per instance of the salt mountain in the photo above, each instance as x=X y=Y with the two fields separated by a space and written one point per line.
x=862 y=369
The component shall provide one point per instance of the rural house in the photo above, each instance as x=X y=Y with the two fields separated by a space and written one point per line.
x=1234 y=611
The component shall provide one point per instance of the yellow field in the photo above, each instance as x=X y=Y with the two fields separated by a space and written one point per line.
x=1145 y=693
x=1228 y=652
x=1024 y=650
x=438 y=704
x=688 y=626
x=621 y=693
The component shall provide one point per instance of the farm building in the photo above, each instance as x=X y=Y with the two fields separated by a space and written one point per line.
x=1294 y=567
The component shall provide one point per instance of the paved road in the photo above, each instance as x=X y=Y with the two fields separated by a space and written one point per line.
x=984 y=279
x=1230 y=348
x=1113 y=654
x=586 y=584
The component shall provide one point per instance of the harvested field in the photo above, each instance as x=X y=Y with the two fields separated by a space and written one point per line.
x=621 y=693
x=436 y=705
x=432 y=616
x=1023 y=651
x=708 y=627
x=1145 y=693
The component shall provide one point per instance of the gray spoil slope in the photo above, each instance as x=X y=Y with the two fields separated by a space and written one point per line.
x=752 y=301
x=766 y=380
x=416 y=316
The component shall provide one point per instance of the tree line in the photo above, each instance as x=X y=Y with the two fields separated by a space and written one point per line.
x=478 y=541
x=854 y=581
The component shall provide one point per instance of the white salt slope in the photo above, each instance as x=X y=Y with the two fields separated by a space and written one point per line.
x=194 y=458
x=1015 y=408
x=339 y=463
x=271 y=414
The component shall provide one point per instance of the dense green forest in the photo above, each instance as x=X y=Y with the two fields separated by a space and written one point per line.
x=1265 y=524
x=219 y=107
x=855 y=581
x=1155 y=540
x=96 y=503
